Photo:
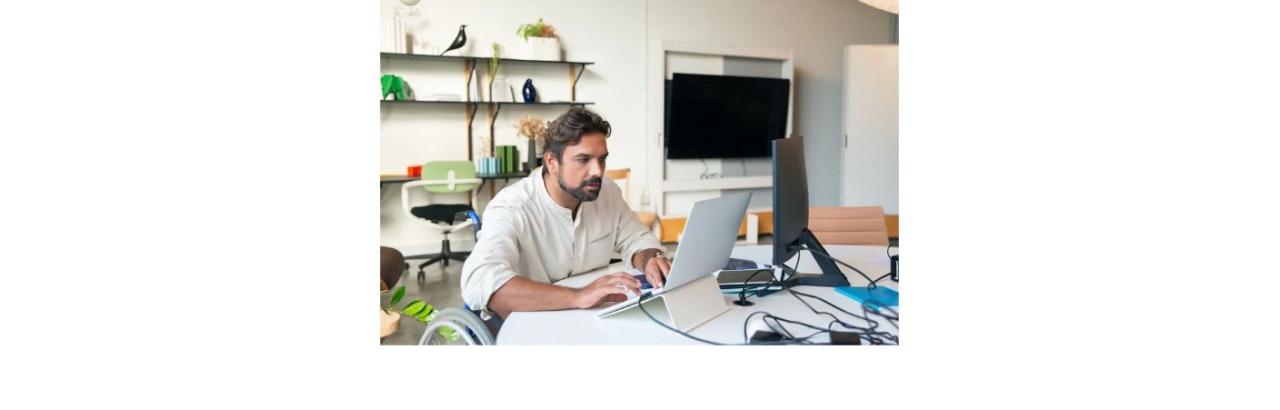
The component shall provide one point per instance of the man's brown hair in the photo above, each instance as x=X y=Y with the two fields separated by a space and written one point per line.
x=568 y=129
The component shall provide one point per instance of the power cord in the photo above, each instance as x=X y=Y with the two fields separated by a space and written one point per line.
x=706 y=171
x=870 y=333
x=742 y=293
x=640 y=302
x=686 y=334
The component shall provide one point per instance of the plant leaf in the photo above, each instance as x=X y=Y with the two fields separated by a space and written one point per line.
x=425 y=315
x=449 y=334
x=395 y=298
x=414 y=307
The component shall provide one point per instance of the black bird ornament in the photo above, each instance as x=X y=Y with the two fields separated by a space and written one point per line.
x=458 y=41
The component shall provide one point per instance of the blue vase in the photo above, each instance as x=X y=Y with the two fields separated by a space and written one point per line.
x=530 y=94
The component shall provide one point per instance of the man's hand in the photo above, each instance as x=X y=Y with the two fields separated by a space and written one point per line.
x=608 y=288
x=656 y=267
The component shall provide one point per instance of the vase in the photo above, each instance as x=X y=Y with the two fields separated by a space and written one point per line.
x=530 y=94
x=542 y=48
x=533 y=158
x=501 y=90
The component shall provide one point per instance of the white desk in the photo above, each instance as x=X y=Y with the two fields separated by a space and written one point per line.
x=580 y=327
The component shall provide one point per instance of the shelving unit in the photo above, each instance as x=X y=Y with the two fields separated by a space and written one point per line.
x=575 y=70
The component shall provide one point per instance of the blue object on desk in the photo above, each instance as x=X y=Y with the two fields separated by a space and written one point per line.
x=874 y=298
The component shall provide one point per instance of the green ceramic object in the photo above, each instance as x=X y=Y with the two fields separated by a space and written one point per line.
x=395 y=86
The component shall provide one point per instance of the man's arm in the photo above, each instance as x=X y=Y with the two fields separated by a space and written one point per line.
x=636 y=242
x=632 y=236
x=524 y=295
x=490 y=283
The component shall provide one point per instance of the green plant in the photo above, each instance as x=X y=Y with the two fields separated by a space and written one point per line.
x=538 y=29
x=420 y=310
x=495 y=59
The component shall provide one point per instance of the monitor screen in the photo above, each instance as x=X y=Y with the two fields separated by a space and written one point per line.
x=719 y=116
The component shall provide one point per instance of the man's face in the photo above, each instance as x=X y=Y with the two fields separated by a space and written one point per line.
x=581 y=168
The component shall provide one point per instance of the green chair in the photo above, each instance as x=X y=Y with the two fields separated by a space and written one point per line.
x=442 y=177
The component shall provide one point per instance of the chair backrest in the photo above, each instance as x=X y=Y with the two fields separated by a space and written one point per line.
x=444 y=176
x=624 y=175
x=862 y=225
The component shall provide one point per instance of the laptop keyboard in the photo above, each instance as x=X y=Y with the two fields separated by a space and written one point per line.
x=644 y=282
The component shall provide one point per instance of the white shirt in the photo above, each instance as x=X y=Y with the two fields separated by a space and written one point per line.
x=524 y=232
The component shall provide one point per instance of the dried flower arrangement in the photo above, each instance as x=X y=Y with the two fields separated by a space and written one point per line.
x=531 y=127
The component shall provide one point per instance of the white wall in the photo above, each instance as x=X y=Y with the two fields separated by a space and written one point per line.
x=615 y=35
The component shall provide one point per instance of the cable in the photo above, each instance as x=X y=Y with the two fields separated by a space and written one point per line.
x=881 y=278
x=742 y=298
x=872 y=335
x=659 y=322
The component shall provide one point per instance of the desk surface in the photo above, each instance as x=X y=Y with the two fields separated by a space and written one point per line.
x=580 y=327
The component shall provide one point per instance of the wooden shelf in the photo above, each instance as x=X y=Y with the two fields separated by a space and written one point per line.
x=424 y=57
x=411 y=102
x=386 y=178
x=575 y=70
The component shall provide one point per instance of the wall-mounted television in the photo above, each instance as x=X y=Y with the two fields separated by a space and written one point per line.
x=721 y=116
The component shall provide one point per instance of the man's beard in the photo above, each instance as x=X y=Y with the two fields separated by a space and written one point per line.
x=581 y=193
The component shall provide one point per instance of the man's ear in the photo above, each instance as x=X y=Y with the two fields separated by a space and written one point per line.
x=549 y=161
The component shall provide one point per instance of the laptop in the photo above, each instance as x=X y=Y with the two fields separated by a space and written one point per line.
x=705 y=247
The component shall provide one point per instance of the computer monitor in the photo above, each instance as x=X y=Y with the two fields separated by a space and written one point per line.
x=791 y=217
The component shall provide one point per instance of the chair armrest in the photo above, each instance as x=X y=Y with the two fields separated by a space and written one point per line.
x=404 y=196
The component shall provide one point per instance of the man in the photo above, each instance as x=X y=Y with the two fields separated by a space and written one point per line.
x=561 y=220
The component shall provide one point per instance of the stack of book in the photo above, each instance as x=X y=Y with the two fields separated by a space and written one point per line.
x=506 y=161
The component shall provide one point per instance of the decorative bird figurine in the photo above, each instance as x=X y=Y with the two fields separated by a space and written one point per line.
x=458 y=41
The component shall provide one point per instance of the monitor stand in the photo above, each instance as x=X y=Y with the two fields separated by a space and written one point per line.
x=831 y=275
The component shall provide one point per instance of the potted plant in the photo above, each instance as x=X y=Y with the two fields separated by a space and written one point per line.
x=540 y=41
x=416 y=309
x=535 y=130
x=504 y=89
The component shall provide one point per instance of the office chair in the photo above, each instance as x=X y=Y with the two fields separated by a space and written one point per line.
x=442 y=177
x=861 y=225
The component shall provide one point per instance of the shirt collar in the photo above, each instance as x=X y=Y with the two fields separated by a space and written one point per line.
x=545 y=197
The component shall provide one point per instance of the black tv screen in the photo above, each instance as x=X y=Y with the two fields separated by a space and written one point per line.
x=720 y=116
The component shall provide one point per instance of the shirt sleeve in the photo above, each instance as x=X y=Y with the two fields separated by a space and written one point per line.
x=632 y=235
x=492 y=261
